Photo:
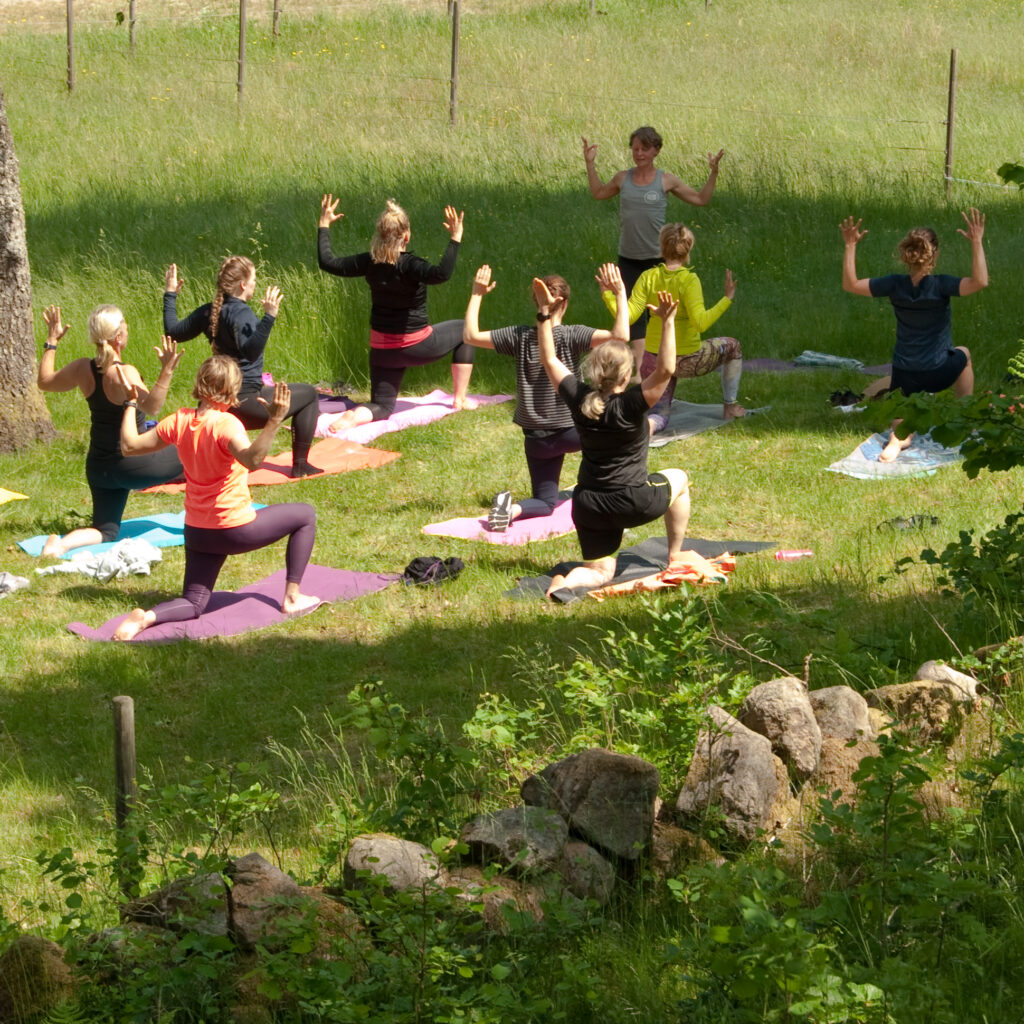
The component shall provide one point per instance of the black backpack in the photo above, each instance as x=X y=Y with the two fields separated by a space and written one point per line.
x=431 y=569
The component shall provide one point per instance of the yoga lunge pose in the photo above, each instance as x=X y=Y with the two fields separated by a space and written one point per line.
x=548 y=432
x=924 y=358
x=614 y=491
x=400 y=333
x=235 y=332
x=219 y=517
x=110 y=475
x=694 y=357
x=643 y=191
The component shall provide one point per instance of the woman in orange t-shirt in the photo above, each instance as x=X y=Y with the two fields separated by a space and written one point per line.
x=219 y=518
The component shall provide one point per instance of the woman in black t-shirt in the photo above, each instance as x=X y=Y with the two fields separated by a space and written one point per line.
x=614 y=491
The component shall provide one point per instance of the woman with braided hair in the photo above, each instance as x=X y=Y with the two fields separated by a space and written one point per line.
x=234 y=331
x=924 y=358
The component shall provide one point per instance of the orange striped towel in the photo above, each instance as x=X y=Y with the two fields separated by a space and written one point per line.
x=689 y=567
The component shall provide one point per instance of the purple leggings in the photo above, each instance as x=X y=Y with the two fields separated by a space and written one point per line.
x=206 y=551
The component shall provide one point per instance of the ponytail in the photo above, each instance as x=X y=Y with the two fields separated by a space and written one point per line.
x=233 y=273
x=105 y=324
x=606 y=368
x=389 y=236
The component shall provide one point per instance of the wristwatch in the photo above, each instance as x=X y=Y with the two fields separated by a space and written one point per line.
x=541 y=317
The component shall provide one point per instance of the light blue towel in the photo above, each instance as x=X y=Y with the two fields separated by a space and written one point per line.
x=922 y=458
x=811 y=358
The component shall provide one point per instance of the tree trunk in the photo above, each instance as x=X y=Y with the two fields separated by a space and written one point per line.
x=24 y=417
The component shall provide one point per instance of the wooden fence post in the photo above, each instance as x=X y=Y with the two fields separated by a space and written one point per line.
x=131 y=25
x=71 y=45
x=453 y=101
x=241 y=48
x=277 y=15
x=125 y=791
x=950 y=120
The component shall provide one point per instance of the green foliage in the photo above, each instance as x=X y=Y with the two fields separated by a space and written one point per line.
x=1012 y=174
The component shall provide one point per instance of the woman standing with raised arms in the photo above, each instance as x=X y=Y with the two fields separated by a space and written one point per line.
x=401 y=335
x=643 y=190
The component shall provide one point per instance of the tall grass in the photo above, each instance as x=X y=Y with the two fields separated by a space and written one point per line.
x=822 y=111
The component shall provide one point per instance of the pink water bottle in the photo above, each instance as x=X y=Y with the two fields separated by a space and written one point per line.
x=792 y=556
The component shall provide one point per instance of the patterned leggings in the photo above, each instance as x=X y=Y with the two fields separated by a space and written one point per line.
x=713 y=353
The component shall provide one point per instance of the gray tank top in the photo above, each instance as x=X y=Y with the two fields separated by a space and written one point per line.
x=642 y=216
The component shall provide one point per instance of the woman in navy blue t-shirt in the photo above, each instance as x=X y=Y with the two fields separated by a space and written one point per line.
x=924 y=358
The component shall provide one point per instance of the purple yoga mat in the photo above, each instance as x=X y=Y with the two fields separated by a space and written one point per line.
x=252 y=607
x=520 y=531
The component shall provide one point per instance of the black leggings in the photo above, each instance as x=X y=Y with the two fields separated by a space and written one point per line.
x=544 y=458
x=206 y=551
x=303 y=412
x=388 y=365
x=112 y=480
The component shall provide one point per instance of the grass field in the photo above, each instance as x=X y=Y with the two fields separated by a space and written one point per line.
x=823 y=109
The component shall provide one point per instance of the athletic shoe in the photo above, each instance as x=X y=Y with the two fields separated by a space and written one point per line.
x=501 y=512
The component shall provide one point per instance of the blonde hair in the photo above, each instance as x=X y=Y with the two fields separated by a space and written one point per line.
x=606 y=367
x=919 y=250
x=233 y=273
x=218 y=381
x=675 y=241
x=389 y=235
x=105 y=323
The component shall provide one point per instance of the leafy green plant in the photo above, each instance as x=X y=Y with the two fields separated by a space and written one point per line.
x=1012 y=174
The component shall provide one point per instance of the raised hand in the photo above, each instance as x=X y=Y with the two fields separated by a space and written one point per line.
x=544 y=299
x=482 y=283
x=609 y=277
x=453 y=222
x=851 y=231
x=173 y=283
x=282 y=400
x=714 y=159
x=329 y=211
x=168 y=353
x=55 y=330
x=975 y=222
x=730 y=285
x=131 y=389
x=666 y=307
x=589 y=150
x=272 y=300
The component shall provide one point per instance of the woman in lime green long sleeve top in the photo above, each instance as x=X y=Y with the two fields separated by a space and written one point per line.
x=695 y=358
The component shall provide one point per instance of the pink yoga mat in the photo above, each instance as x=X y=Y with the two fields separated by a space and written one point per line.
x=520 y=531
x=409 y=412
x=252 y=607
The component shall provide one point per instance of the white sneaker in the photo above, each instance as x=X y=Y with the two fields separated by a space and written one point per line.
x=501 y=512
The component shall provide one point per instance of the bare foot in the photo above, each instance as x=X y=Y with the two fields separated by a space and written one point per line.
x=465 y=403
x=298 y=604
x=891 y=451
x=53 y=547
x=733 y=411
x=557 y=582
x=134 y=624
x=346 y=421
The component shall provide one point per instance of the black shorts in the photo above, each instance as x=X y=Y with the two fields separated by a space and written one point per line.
x=910 y=382
x=601 y=516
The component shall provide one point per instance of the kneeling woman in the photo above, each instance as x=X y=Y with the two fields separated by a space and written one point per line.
x=614 y=491
x=219 y=518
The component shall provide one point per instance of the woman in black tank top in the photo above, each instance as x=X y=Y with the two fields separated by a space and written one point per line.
x=110 y=475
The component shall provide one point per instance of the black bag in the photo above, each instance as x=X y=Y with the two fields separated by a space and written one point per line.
x=431 y=569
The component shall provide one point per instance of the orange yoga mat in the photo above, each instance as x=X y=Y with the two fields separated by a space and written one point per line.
x=332 y=456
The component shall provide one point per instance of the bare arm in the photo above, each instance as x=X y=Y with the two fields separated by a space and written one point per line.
x=599 y=189
x=688 y=194
x=609 y=279
x=132 y=442
x=471 y=333
x=979 y=267
x=656 y=382
x=151 y=402
x=67 y=378
x=252 y=455
x=556 y=370
x=852 y=234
